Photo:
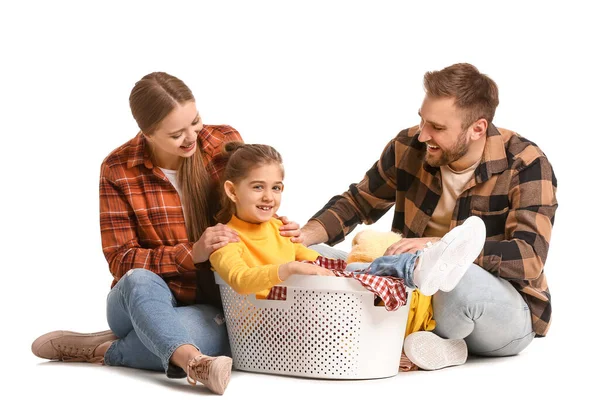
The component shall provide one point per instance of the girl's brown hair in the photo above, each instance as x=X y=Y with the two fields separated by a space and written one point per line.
x=151 y=100
x=474 y=93
x=241 y=159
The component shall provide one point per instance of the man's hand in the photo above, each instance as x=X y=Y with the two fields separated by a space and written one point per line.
x=409 y=245
x=291 y=229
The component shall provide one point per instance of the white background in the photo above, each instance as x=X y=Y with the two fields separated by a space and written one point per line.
x=327 y=84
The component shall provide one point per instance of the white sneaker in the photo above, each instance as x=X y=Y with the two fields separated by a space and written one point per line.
x=430 y=352
x=442 y=264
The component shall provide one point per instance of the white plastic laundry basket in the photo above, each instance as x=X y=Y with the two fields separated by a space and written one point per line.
x=328 y=327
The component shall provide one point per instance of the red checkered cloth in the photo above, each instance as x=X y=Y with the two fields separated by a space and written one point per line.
x=391 y=290
x=278 y=293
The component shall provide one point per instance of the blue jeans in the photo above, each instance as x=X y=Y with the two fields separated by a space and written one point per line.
x=143 y=314
x=401 y=266
x=487 y=312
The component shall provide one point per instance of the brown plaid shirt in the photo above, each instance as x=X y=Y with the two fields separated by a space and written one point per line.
x=513 y=190
x=141 y=217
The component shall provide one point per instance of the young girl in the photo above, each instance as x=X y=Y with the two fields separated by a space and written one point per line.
x=252 y=188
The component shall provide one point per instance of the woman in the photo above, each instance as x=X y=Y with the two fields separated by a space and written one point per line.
x=157 y=203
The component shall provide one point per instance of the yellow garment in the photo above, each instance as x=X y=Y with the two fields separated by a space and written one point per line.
x=420 y=315
x=252 y=265
x=368 y=245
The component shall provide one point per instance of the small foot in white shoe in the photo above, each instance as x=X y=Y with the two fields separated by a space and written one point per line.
x=430 y=352
x=442 y=265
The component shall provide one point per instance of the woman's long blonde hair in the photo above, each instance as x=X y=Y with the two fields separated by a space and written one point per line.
x=151 y=100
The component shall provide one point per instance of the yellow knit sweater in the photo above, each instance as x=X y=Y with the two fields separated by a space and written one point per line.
x=251 y=266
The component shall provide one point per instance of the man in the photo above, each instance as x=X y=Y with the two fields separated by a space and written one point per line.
x=453 y=165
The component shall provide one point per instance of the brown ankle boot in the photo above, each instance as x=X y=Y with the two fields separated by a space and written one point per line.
x=213 y=372
x=70 y=346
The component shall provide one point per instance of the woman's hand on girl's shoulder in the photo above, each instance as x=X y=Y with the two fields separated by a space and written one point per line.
x=213 y=238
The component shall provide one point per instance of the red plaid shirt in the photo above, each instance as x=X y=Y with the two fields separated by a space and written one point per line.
x=141 y=217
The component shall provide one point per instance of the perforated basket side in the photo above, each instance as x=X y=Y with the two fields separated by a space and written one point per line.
x=315 y=333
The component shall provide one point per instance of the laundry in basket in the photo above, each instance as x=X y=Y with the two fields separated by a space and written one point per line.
x=327 y=327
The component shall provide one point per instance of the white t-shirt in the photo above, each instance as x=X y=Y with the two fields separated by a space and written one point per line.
x=171 y=175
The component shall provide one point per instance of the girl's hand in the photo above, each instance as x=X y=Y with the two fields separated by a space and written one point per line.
x=291 y=229
x=212 y=239
x=287 y=269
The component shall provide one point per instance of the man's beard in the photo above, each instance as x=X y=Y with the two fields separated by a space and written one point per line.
x=457 y=151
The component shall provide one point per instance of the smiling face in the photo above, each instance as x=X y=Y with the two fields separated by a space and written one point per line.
x=442 y=131
x=175 y=137
x=258 y=195
x=448 y=141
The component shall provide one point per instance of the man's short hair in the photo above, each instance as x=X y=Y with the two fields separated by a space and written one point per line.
x=474 y=93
